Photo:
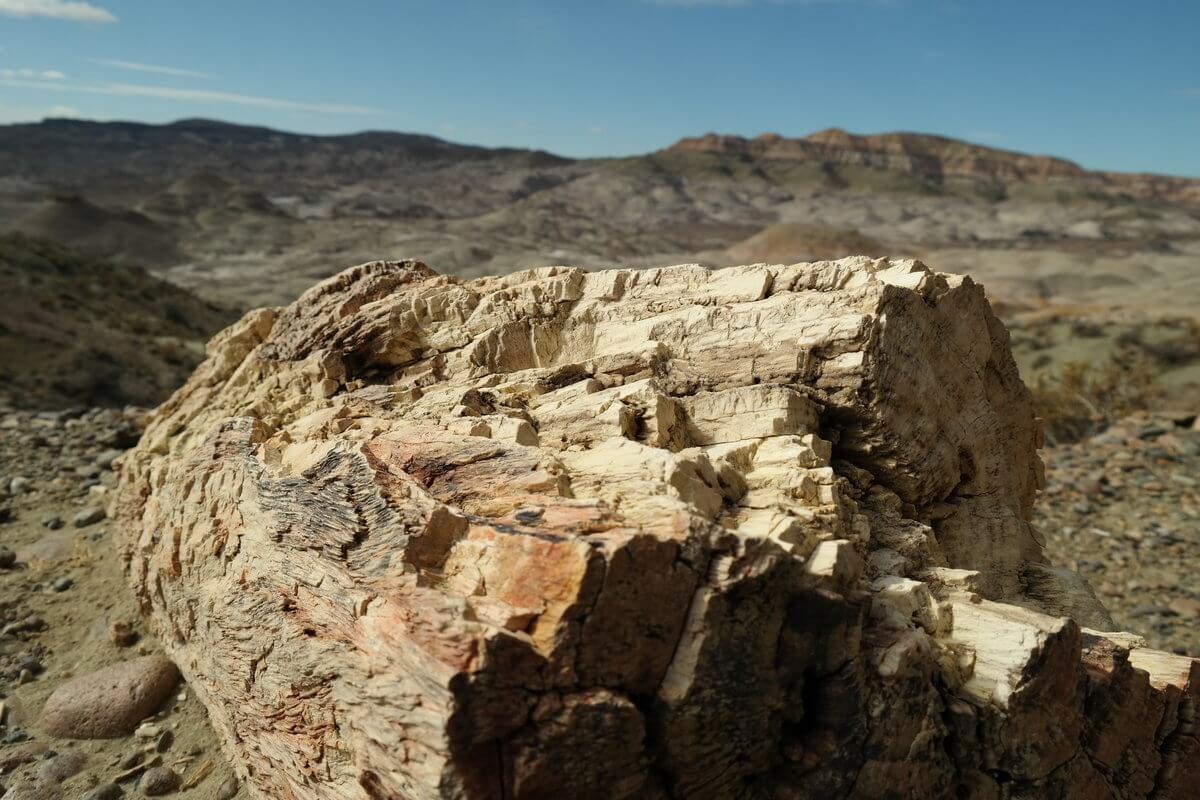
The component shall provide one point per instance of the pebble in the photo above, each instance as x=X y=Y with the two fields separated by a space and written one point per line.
x=62 y=766
x=7 y=557
x=105 y=791
x=121 y=634
x=164 y=742
x=27 y=753
x=53 y=522
x=88 y=516
x=62 y=584
x=229 y=789
x=1185 y=607
x=15 y=735
x=19 y=485
x=106 y=458
x=159 y=781
x=148 y=730
x=109 y=702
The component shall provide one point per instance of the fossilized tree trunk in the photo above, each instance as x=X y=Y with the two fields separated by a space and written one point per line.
x=756 y=532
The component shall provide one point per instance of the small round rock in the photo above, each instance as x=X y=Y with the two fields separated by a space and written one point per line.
x=159 y=781
x=88 y=516
x=7 y=558
x=109 y=702
x=229 y=789
x=105 y=791
x=62 y=584
x=62 y=766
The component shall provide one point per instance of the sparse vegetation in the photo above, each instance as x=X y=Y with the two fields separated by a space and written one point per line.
x=1083 y=398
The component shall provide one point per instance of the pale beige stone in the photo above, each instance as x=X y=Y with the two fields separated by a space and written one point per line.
x=672 y=533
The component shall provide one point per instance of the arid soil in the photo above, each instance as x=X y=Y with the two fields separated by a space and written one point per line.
x=1123 y=509
x=61 y=592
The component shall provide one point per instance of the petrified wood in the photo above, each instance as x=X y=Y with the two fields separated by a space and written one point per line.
x=759 y=532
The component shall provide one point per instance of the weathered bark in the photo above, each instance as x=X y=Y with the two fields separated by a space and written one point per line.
x=757 y=532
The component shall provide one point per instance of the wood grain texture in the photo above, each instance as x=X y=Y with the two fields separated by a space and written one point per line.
x=675 y=533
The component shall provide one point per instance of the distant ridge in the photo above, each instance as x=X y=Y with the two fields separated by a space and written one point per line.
x=939 y=159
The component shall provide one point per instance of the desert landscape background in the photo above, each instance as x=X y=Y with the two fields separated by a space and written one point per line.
x=1086 y=267
x=125 y=246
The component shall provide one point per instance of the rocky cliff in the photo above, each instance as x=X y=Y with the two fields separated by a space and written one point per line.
x=677 y=533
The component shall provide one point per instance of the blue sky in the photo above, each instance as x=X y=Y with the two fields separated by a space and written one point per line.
x=1112 y=85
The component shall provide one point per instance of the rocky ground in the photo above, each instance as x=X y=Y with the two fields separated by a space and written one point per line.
x=1123 y=509
x=65 y=614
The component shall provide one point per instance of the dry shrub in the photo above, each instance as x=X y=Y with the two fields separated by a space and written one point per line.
x=1083 y=398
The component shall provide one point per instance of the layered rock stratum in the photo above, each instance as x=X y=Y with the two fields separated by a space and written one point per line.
x=674 y=533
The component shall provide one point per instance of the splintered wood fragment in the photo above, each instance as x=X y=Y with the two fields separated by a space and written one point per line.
x=197 y=775
x=657 y=534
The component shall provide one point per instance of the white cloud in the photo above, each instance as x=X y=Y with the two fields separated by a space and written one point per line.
x=56 y=9
x=134 y=66
x=39 y=74
x=63 y=111
x=187 y=95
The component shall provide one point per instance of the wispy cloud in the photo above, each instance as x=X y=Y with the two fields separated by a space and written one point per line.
x=134 y=66
x=56 y=9
x=186 y=95
x=42 y=74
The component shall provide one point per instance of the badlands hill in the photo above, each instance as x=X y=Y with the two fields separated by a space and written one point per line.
x=938 y=162
x=78 y=330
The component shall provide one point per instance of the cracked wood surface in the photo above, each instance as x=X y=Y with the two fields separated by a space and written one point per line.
x=760 y=532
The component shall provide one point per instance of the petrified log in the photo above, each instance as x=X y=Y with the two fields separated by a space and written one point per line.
x=674 y=533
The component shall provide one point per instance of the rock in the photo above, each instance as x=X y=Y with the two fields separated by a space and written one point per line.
x=53 y=522
x=109 y=702
x=24 y=753
x=761 y=531
x=28 y=789
x=164 y=741
x=15 y=735
x=6 y=513
x=159 y=781
x=122 y=634
x=62 y=766
x=62 y=584
x=19 y=485
x=105 y=791
x=107 y=457
x=229 y=789
x=1185 y=607
x=88 y=516
x=7 y=557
